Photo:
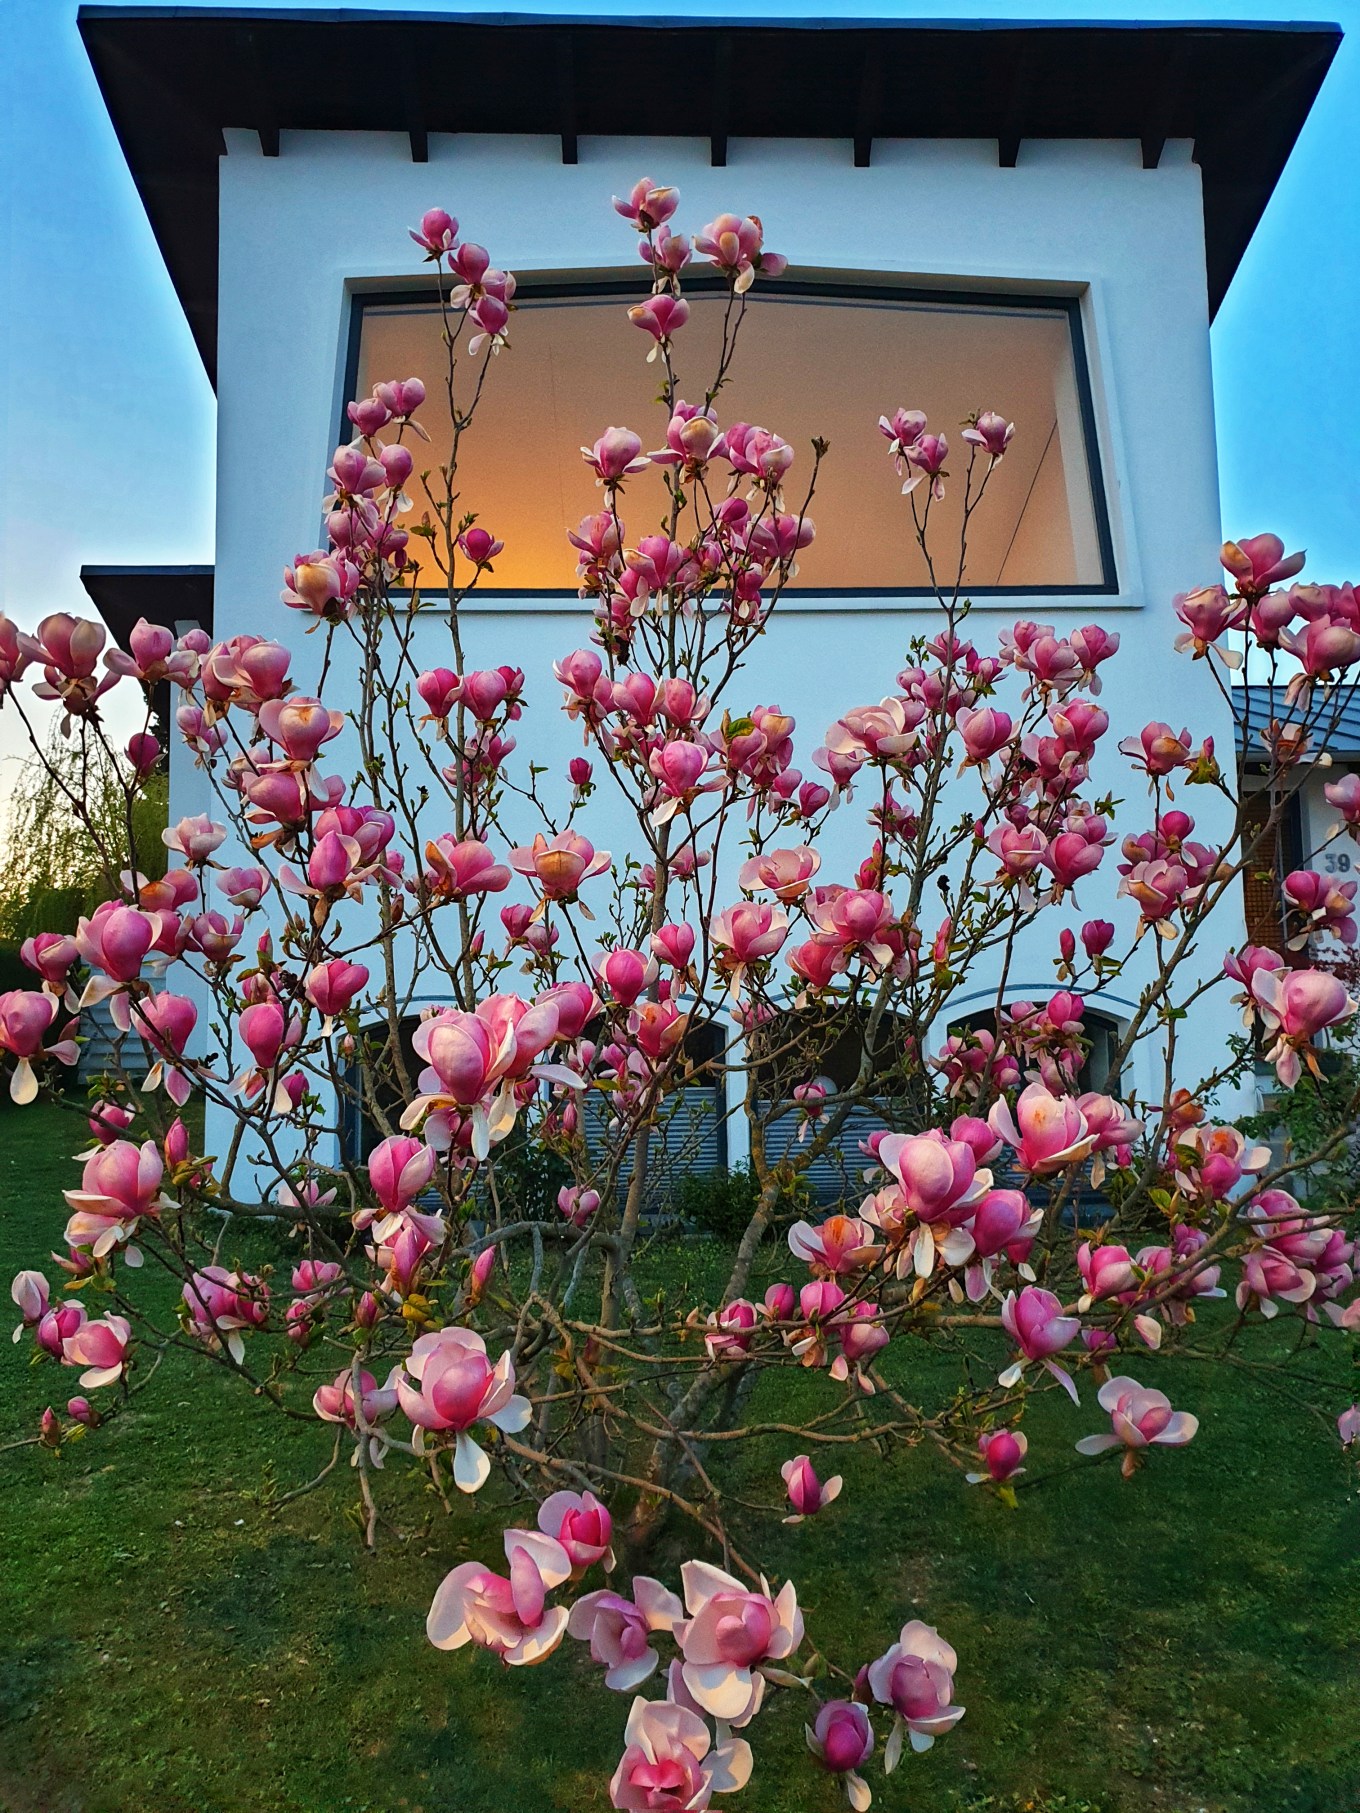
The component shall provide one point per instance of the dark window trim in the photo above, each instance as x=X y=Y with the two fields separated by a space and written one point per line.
x=566 y=289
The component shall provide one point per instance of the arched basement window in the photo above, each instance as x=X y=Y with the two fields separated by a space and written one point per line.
x=689 y=1135
x=822 y=357
x=797 y=1048
x=362 y=1129
x=1101 y=1030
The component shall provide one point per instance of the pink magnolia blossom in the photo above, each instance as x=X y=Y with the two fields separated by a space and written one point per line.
x=578 y=1205
x=244 y=887
x=479 y=545
x=861 y=1335
x=334 y=1403
x=449 y=1384
x=1035 y=1322
x=582 y=1525
x=1270 y=1271
x=1343 y=796
x=69 y=649
x=670 y=1765
x=1106 y=1271
x=758 y=454
x=1003 y=1223
x=1208 y=613
x=459 y=870
x=479 y=1275
x=838 y=1245
x=874 y=733
x=1002 y=1451
x=300 y=726
x=1324 y=905
x=673 y=945
x=401 y=1255
x=692 y=438
x=648 y=205
x=902 y=430
x=985 y=733
x=916 y=1678
x=925 y=458
x=101 y=1348
x=1046 y=1132
x=437 y=234
x=26 y=1017
x=509 y=1615
x=560 y=866
x=400 y=1170
x=268 y=1034
x=29 y=1293
x=1157 y=749
x=841 y=1738
x=52 y=955
x=1348 y=1425
x=16 y=651
x=167 y=1022
x=807 y=1493
x=730 y=1631
x=660 y=315
x=728 y=1330
x=333 y=987
x=990 y=432
x=780 y=1301
x=1139 y=1418
x=735 y=244
x=120 y=1185
x=787 y=874
x=222 y=1304
x=616 y=454
x=625 y=974
x=1259 y=562
x=473 y=1058
x=855 y=920
x=746 y=934
x=115 y=939
x=1323 y=648
x=620 y=1631
x=939 y=1176
x=1212 y=1161
x=402 y=397
x=195 y=839
x=57 y=1325
x=817 y=963
x=313 y=1276
x=1296 y=1006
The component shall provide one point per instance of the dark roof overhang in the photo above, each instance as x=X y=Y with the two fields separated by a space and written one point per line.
x=174 y=596
x=174 y=78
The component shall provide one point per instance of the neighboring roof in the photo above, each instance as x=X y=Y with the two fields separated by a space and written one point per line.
x=1255 y=706
x=168 y=595
x=174 y=78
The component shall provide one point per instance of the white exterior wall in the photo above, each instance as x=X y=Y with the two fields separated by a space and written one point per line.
x=1324 y=842
x=1323 y=839
x=301 y=231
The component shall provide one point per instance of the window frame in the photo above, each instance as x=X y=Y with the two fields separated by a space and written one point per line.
x=560 y=288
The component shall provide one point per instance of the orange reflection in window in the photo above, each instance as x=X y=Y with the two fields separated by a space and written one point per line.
x=806 y=366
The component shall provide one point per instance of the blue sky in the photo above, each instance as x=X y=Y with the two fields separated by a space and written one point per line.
x=108 y=418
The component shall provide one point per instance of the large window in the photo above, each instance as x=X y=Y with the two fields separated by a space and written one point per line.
x=813 y=360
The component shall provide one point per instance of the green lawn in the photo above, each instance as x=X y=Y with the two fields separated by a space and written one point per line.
x=1188 y=1641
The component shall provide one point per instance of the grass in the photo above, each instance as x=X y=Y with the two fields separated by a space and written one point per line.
x=1183 y=1643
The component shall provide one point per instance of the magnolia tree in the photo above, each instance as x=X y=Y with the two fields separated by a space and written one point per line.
x=469 y=1189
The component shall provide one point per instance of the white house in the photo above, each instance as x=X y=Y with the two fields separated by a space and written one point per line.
x=1040 y=219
